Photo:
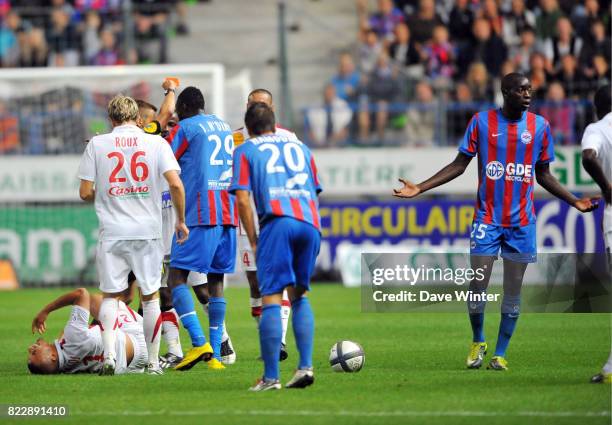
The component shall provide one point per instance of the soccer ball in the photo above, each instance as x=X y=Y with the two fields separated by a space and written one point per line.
x=346 y=356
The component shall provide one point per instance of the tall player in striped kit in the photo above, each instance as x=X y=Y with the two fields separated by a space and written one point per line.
x=244 y=247
x=513 y=146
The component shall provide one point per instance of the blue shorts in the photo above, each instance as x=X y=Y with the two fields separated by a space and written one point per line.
x=516 y=243
x=209 y=249
x=286 y=254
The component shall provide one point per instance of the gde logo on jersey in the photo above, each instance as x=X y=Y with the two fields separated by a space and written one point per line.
x=495 y=170
x=514 y=172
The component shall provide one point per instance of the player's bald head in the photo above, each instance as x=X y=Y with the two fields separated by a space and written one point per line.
x=260 y=96
x=513 y=81
x=603 y=101
x=259 y=119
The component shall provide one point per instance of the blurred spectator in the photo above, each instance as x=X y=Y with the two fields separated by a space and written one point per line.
x=9 y=130
x=490 y=12
x=421 y=117
x=546 y=22
x=347 y=79
x=559 y=113
x=571 y=77
x=599 y=44
x=151 y=18
x=384 y=20
x=382 y=88
x=460 y=22
x=585 y=16
x=601 y=65
x=422 y=22
x=538 y=75
x=90 y=37
x=439 y=55
x=9 y=44
x=62 y=40
x=487 y=48
x=516 y=21
x=109 y=52
x=479 y=83
x=461 y=111
x=403 y=50
x=368 y=50
x=566 y=42
x=35 y=51
x=328 y=125
x=520 y=55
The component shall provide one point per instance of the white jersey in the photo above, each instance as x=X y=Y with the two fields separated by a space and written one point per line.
x=127 y=167
x=81 y=350
x=598 y=136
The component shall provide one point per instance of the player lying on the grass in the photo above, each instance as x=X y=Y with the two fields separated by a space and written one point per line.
x=203 y=145
x=281 y=174
x=80 y=347
x=513 y=147
x=249 y=264
x=154 y=122
x=122 y=173
x=597 y=161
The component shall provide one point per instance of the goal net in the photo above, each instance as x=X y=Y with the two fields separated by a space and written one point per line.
x=46 y=115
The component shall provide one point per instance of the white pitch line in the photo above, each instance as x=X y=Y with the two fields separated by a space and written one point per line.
x=396 y=413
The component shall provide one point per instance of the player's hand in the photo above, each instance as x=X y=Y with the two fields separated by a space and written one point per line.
x=410 y=190
x=587 y=204
x=38 y=324
x=182 y=233
x=170 y=83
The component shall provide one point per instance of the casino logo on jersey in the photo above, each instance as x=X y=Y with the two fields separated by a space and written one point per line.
x=495 y=170
x=514 y=172
x=526 y=137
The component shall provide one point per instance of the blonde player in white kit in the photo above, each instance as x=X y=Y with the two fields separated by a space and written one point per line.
x=80 y=349
x=247 y=259
x=126 y=167
x=597 y=161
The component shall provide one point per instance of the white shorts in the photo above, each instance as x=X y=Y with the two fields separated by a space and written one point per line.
x=130 y=326
x=115 y=260
x=247 y=259
x=168 y=219
x=193 y=279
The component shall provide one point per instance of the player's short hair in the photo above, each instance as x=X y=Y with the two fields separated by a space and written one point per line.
x=190 y=102
x=603 y=100
x=145 y=105
x=511 y=80
x=36 y=370
x=259 y=119
x=122 y=109
x=260 y=91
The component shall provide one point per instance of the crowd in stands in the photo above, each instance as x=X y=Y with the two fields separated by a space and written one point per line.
x=39 y=33
x=414 y=55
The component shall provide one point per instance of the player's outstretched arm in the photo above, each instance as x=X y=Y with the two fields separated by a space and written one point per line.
x=593 y=167
x=166 y=110
x=246 y=217
x=446 y=174
x=177 y=194
x=78 y=297
x=552 y=185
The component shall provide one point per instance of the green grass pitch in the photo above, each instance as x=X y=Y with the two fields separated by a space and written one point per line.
x=414 y=372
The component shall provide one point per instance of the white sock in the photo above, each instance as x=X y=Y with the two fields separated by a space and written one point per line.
x=170 y=332
x=285 y=313
x=608 y=366
x=225 y=336
x=152 y=330
x=108 y=319
x=256 y=303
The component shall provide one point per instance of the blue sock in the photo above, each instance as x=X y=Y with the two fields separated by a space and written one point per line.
x=270 y=333
x=183 y=304
x=511 y=305
x=216 y=316
x=303 y=329
x=476 y=313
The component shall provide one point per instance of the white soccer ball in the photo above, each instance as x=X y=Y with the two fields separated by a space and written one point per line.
x=346 y=356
